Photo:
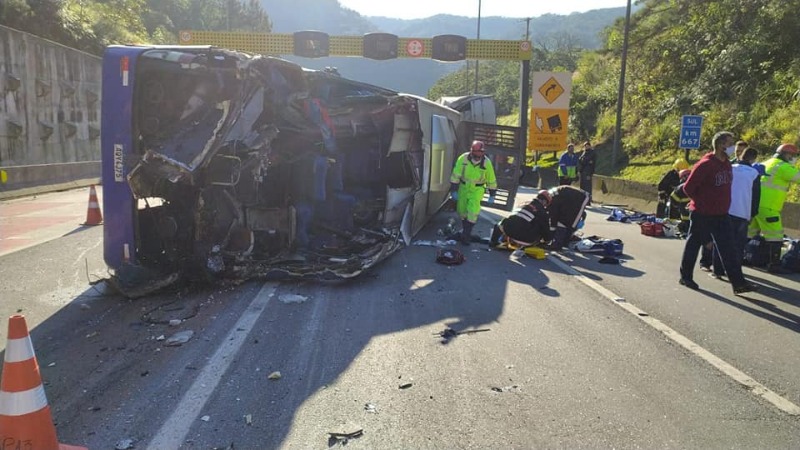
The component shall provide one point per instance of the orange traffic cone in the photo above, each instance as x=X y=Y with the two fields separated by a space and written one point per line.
x=93 y=214
x=25 y=420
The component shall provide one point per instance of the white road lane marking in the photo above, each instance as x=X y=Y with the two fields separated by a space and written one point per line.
x=173 y=433
x=737 y=375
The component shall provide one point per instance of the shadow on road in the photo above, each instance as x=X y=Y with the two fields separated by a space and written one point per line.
x=775 y=314
x=409 y=292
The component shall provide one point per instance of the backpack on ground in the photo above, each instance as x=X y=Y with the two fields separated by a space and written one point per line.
x=596 y=244
x=756 y=252
x=791 y=260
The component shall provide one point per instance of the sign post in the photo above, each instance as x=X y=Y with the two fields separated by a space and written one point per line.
x=690 y=132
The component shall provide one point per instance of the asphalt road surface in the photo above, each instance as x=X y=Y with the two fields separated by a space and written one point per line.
x=575 y=354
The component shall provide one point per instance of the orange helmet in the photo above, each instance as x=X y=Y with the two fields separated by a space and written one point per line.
x=477 y=146
x=545 y=197
x=789 y=149
x=684 y=174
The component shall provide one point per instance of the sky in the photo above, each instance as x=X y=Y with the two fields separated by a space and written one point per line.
x=416 y=9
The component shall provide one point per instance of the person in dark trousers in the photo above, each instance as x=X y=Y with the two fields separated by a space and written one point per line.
x=745 y=198
x=567 y=209
x=709 y=187
x=586 y=165
x=529 y=225
x=667 y=185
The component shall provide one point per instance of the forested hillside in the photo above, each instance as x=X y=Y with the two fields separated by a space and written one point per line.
x=584 y=27
x=324 y=15
x=736 y=63
x=90 y=25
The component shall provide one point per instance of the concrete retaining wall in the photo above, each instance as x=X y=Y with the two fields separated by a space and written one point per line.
x=49 y=112
x=28 y=180
x=644 y=197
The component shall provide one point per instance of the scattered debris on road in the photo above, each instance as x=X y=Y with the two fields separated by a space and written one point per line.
x=370 y=408
x=343 y=434
x=449 y=257
x=437 y=243
x=124 y=444
x=179 y=338
x=248 y=419
x=506 y=388
x=205 y=418
x=449 y=333
x=292 y=298
x=275 y=375
x=405 y=385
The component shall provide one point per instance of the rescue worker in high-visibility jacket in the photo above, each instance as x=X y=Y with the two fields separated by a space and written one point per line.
x=667 y=185
x=780 y=172
x=472 y=176
x=568 y=166
x=679 y=202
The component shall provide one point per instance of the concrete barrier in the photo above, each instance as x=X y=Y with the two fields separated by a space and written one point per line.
x=40 y=178
x=643 y=197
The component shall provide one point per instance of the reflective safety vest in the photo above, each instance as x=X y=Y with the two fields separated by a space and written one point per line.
x=568 y=165
x=775 y=185
x=481 y=174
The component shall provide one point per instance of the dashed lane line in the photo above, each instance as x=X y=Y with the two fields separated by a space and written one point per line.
x=737 y=375
x=173 y=433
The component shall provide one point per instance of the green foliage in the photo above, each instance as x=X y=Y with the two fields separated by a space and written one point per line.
x=735 y=63
x=494 y=77
x=501 y=78
x=90 y=25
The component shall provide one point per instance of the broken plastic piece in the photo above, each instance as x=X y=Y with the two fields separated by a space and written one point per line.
x=292 y=298
x=179 y=338
x=124 y=444
x=346 y=432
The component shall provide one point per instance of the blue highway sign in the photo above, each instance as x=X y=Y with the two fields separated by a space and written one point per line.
x=690 y=131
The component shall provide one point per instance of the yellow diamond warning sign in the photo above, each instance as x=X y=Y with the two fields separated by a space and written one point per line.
x=551 y=90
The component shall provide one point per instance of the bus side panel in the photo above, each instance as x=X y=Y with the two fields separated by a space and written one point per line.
x=119 y=65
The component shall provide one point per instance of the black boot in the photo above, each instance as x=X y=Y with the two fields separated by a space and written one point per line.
x=494 y=240
x=774 y=265
x=466 y=232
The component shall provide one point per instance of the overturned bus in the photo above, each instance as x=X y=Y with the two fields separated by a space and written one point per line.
x=221 y=164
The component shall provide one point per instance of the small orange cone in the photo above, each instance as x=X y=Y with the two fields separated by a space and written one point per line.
x=93 y=214
x=25 y=420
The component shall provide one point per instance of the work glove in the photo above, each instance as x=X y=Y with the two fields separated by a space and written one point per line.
x=454 y=191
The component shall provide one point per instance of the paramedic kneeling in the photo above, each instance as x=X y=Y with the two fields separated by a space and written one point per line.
x=529 y=225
